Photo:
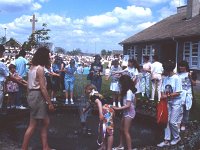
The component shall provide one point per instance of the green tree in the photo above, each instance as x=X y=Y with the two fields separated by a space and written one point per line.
x=103 y=53
x=74 y=52
x=42 y=34
x=59 y=50
x=39 y=36
x=109 y=53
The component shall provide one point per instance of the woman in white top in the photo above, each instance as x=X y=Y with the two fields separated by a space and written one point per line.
x=187 y=81
x=38 y=99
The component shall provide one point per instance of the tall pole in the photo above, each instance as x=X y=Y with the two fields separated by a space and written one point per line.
x=5 y=32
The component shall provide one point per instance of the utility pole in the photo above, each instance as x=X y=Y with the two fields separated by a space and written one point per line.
x=5 y=32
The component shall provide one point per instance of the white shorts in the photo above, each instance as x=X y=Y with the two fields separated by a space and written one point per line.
x=114 y=87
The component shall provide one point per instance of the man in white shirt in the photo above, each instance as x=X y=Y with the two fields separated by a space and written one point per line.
x=156 y=77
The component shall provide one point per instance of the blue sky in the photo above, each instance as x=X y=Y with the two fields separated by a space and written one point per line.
x=91 y=25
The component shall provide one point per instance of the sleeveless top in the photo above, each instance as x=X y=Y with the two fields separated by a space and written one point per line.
x=33 y=82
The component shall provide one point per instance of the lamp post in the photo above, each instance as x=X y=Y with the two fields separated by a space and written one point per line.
x=5 y=32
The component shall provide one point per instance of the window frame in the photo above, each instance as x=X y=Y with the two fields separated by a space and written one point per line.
x=190 y=54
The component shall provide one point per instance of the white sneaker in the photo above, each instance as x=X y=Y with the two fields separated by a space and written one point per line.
x=114 y=104
x=151 y=99
x=175 y=141
x=119 y=104
x=142 y=94
x=162 y=144
x=54 y=99
x=22 y=107
x=182 y=128
x=72 y=102
x=12 y=106
x=66 y=101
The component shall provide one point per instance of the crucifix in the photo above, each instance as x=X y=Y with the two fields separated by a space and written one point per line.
x=33 y=23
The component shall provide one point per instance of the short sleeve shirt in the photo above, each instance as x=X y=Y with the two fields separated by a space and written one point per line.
x=170 y=85
x=4 y=72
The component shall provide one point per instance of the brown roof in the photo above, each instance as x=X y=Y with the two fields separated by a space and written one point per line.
x=173 y=26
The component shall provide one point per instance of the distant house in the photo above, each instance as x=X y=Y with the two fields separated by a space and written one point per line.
x=176 y=37
x=12 y=47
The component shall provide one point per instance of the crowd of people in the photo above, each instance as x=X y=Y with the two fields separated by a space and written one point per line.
x=44 y=75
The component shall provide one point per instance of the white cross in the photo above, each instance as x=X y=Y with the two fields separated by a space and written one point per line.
x=33 y=23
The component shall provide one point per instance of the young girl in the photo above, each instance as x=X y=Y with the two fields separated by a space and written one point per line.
x=12 y=86
x=114 y=85
x=127 y=91
x=187 y=82
x=106 y=113
x=69 y=80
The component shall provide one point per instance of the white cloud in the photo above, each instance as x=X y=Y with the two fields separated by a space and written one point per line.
x=53 y=20
x=144 y=25
x=13 y=6
x=101 y=20
x=36 y=6
x=112 y=33
x=16 y=1
x=78 y=32
x=177 y=3
x=131 y=12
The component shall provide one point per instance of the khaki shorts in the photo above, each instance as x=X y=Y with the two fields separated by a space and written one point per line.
x=37 y=104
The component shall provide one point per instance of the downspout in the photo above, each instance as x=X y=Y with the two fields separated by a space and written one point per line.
x=176 y=52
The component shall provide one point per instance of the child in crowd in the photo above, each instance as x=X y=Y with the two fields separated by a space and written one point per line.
x=188 y=80
x=49 y=74
x=106 y=113
x=127 y=92
x=146 y=69
x=107 y=72
x=171 y=89
x=12 y=87
x=114 y=85
x=56 y=67
x=69 y=81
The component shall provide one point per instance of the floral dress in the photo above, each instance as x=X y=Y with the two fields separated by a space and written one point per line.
x=108 y=113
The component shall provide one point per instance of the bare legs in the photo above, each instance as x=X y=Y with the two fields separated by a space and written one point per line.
x=124 y=132
x=110 y=142
x=30 y=130
x=44 y=134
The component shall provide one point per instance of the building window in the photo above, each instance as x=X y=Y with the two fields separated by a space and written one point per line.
x=191 y=54
x=148 y=51
x=133 y=52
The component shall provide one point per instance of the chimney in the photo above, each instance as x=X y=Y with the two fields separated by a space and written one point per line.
x=193 y=8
